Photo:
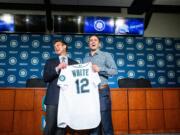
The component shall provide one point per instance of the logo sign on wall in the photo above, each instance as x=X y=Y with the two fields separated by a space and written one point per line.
x=23 y=56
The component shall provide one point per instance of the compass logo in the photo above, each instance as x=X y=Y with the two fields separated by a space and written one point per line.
x=150 y=57
x=35 y=43
x=120 y=45
x=2 y=72
x=23 y=73
x=139 y=46
x=45 y=55
x=160 y=63
x=99 y=25
x=34 y=61
x=129 y=40
x=159 y=47
x=11 y=78
x=46 y=38
x=109 y=40
x=68 y=39
x=168 y=41
x=161 y=80
x=24 y=55
x=170 y=57
x=12 y=61
x=24 y=38
x=2 y=54
x=130 y=57
x=140 y=62
x=78 y=44
x=149 y=41
x=151 y=74
x=171 y=74
x=131 y=74
x=3 y=37
x=177 y=46
x=120 y=62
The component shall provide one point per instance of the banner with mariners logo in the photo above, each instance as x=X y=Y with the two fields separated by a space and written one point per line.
x=23 y=56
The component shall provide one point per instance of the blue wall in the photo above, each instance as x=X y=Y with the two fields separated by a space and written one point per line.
x=23 y=56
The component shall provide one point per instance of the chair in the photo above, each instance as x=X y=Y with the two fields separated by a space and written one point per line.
x=134 y=83
x=144 y=83
x=127 y=83
x=35 y=82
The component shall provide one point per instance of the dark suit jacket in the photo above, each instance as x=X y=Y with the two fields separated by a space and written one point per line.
x=51 y=77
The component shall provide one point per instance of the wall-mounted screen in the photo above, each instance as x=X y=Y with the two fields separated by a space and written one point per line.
x=30 y=23
x=68 y=24
x=129 y=26
x=6 y=23
x=100 y=25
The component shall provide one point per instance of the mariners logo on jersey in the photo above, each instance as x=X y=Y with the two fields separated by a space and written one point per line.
x=82 y=109
x=62 y=77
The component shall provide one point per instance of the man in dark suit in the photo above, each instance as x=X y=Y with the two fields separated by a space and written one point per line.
x=52 y=70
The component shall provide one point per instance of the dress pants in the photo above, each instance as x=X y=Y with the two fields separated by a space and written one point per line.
x=51 y=122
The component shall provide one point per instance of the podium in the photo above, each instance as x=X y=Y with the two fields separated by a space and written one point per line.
x=134 y=110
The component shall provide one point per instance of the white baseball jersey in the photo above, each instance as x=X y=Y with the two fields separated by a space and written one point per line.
x=79 y=106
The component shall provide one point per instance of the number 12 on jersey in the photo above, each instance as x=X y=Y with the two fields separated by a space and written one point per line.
x=82 y=85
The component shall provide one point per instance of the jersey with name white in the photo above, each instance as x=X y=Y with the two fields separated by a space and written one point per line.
x=79 y=106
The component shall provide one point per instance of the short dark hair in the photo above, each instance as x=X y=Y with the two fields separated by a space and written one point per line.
x=63 y=42
x=95 y=36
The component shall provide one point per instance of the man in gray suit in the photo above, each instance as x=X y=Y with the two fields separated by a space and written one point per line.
x=52 y=70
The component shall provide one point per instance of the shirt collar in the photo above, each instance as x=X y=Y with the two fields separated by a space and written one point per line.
x=60 y=57
x=96 y=53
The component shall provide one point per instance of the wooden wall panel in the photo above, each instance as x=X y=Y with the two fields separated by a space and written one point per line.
x=120 y=121
x=154 y=99
x=23 y=123
x=6 y=121
x=171 y=98
x=24 y=99
x=172 y=119
x=136 y=98
x=155 y=120
x=7 y=99
x=137 y=120
x=119 y=99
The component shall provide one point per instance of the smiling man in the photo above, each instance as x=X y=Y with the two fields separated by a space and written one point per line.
x=52 y=70
x=104 y=64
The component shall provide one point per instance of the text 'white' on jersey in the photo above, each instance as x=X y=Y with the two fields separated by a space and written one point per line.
x=79 y=106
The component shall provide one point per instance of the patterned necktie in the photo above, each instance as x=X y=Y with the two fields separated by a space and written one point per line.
x=63 y=59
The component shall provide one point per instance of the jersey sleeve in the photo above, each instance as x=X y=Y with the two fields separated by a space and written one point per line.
x=63 y=78
x=94 y=75
x=96 y=78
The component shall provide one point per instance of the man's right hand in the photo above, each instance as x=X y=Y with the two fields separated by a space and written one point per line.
x=60 y=66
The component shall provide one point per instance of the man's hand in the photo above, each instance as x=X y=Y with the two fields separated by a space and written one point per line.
x=61 y=66
x=95 y=68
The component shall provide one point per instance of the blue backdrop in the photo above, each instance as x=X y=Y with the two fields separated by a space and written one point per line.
x=22 y=56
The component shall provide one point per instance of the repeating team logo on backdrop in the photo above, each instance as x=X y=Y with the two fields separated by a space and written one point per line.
x=157 y=59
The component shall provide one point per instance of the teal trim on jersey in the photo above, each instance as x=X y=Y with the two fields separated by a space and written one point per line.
x=43 y=105
x=43 y=122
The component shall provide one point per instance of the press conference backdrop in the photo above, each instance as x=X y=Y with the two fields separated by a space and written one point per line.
x=23 y=56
